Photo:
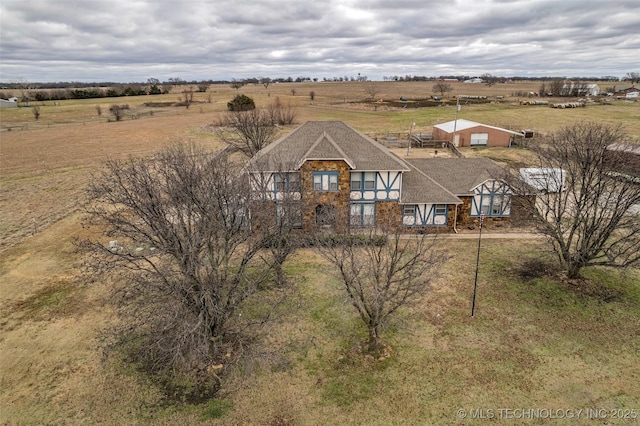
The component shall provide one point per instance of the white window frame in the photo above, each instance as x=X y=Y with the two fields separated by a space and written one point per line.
x=325 y=181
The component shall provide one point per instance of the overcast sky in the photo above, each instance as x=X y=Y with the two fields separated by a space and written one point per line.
x=133 y=40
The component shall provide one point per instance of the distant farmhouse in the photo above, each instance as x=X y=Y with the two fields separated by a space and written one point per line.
x=342 y=178
x=9 y=103
x=466 y=133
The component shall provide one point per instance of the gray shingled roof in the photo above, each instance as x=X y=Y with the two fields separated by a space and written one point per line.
x=458 y=175
x=330 y=140
x=418 y=188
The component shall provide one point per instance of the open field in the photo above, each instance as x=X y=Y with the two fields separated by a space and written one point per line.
x=45 y=163
x=535 y=343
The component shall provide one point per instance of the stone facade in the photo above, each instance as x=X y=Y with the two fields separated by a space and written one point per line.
x=311 y=199
x=388 y=212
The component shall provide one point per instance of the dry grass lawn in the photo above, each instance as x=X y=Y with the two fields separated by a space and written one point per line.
x=534 y=342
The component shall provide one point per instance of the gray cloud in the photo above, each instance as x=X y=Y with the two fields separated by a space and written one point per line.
x=122 y=40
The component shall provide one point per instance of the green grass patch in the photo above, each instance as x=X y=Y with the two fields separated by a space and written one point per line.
x=215 y=409
x=54 y=300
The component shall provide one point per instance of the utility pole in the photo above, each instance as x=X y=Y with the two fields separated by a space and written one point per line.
x=475 y=284
x=410 y=133
x=455 y=122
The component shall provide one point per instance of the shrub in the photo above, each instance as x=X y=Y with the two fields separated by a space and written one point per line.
x=241 y=103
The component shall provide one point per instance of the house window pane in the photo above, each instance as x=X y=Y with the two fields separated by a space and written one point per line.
x=368 y=214
x=441 y=209
x=289 y=214
x=356 y=181
x=355 y=214
x=333 y=182
x=363 y=214
x=486 y=204
x=325 y=181
x=409 y=210
x=369 y=180
x=279 y=182
x=497 y=205
x=294 y=182
x=317 y=182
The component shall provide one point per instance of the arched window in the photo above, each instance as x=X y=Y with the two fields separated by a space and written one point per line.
x=325 y=215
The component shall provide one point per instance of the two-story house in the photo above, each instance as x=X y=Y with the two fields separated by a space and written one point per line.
x=340 y=177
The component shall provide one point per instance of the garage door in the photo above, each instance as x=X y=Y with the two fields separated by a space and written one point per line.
x=479 y=139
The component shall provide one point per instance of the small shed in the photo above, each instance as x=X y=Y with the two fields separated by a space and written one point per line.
x=9 y=103
x=466 y=133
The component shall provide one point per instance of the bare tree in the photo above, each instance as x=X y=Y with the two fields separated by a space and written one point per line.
x=237 y=84
x=372 y=90
x=280 y=193
x=282 y=115
x=203 y=86
x=442 y=88
x=542 y=91
x=265 y=81
x=154 y=86
x=185 y=255
x=633 y=77
x=556 y=87
x=36 y=112
x=187 y=97
x=175 y=82
x=247 y=131
x=382 y=272
x=99 y=110
x=117 y=111
x=594 y=220
x=26 y=88
x=489 y=80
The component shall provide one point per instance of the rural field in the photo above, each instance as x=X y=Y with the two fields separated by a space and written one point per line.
x=537 y=341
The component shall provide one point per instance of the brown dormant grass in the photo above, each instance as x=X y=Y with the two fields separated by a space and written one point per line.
x=533 y=344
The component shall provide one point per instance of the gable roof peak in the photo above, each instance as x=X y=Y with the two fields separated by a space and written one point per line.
x=325 y=148
x=327 y=140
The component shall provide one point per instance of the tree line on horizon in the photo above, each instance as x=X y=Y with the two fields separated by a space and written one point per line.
x=35 y=91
